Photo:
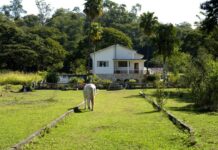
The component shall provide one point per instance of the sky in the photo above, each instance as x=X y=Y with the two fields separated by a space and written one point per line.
x=167 y=11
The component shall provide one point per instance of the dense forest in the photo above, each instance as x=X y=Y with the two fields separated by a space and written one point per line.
x=63 y=40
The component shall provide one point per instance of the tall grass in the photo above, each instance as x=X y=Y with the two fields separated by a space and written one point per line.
x=16 y=78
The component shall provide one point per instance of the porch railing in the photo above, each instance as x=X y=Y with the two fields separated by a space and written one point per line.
x=124 y=71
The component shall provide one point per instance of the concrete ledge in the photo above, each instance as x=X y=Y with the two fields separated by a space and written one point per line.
x=180 y=124
x=41 y=131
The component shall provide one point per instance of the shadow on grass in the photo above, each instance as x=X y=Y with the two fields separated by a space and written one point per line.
x=179 y=96
x=133 y=96
x=17 y=101
x=147 y=112
x=192 y=109
x=78 y=110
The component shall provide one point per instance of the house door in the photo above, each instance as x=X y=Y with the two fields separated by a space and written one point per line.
x=136 y=67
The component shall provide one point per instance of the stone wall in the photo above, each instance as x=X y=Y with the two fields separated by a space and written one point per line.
x=122 y=77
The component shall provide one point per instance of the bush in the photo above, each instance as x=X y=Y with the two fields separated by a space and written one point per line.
x=203 y=80
x=160 y=94
x=173 y=80
x=76 y=80
x=52 y=77
x=100 y=83
x=92 y=79
x=153 y=78
x=132 y=81
x=104 y=83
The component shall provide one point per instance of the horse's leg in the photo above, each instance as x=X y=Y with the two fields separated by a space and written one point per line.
x=88 y=103
x=92 y=100
x=85 y=99
x=85 y=103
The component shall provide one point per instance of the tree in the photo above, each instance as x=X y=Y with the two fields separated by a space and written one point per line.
x=112 y=36
x=71 y=26
x=30 y=21
x=44 y=10
x=15 y=54
x=166 y=40
x=14 y=10
x=211 y=43
x=113 y=10
x=25 y=61
x=17 y=9
x=48 y=32
x=93 y=9
x=211 y=12
x=202 y=78
x=6 y=10
x=135 y=9
x=148 y=22
x=96 y=32
x=191 y=41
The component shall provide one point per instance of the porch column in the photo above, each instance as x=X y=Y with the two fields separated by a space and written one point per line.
x=128 y=65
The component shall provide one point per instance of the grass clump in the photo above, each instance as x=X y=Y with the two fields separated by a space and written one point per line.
x=19 y=78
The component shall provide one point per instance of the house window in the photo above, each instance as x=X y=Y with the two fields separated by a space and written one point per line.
x=122 y=64
x=103 y=63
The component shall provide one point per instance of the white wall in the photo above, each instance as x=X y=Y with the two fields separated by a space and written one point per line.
x=105 y=55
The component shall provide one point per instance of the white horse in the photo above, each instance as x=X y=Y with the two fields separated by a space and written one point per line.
x=89 y=93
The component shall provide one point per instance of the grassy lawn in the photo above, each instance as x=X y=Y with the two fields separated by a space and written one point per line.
x=205 y=124
x=23 y=113
x=121 y=120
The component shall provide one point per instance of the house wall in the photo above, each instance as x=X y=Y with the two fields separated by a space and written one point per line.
x=106 y=55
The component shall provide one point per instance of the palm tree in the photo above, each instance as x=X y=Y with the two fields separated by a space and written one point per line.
x=166 y=40
x=148 y=22
x=95 y=35
x=93 y=9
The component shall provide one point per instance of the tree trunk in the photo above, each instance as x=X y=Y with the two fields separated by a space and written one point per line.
x=164 y=70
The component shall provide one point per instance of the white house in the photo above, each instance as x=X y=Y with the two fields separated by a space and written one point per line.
x=117 y=62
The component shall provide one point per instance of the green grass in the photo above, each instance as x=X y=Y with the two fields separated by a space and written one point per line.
x=121 y=120
x=204 y=123
x=23 y=113
x=19 y=77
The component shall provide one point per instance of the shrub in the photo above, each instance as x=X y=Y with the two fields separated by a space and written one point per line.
x=93 y=79
x=173 y=80
x=100 y=83
x=104 y=83
x=132 y=81
x=153 y=78
x=203 y=80
x=76 y=80
x=160 y=94
x=52 y=77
